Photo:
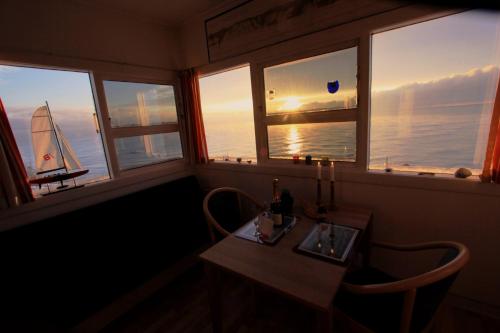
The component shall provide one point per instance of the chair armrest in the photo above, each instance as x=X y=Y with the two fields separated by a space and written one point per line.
x=379 y=288
x=413 y=282
x=419 y=246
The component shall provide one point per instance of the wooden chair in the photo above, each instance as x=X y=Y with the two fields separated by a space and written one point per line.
x=227 y=208
x=373 y=301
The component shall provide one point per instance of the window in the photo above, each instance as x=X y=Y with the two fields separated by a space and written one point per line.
x=311 y=106
x=432 y=93
x=226 y=102
x=144 y=123
x=52 y=116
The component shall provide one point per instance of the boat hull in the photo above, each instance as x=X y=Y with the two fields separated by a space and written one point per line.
x=57 y=177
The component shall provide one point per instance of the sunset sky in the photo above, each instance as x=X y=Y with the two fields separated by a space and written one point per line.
x=24 y=86
x=455 y=56
x=435 y=49
x=418 y=53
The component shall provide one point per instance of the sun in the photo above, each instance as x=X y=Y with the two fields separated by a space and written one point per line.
x=291 y=103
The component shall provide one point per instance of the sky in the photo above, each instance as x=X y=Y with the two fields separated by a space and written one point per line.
x=25 y=86
x=435 y=49
x=227 y=91
x=456 y=49
x=422 y=52
x=428 y=51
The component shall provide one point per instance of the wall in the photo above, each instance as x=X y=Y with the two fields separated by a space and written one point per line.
x=65 y=29
x=192 y=32
x=66 y=34
x=406 y=208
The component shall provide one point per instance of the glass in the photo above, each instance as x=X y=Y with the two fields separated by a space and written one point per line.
x=226 y=102
x=140 y=104
x=432 y=93
x=136 y=151
x=329 y=241
x=337 y=141
x=69 y=97
x=321 y=83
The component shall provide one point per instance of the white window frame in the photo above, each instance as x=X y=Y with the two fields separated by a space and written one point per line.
x=111 y=133
x=119 y=183
x=97 y=114
x=330 y=116
x=356 y=33
x=209 y=71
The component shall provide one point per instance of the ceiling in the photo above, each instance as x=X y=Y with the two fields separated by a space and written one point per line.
x=167 y=12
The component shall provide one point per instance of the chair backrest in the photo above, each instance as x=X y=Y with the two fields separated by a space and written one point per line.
x=429 y=297
x=226 y=208
x=424 y=293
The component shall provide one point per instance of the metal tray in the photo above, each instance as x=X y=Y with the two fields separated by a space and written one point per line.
x=329 y=241
x=248 y=231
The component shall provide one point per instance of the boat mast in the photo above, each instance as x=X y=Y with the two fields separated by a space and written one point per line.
x=57 y=138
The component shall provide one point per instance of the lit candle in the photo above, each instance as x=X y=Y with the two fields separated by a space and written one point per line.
x=332 y=172
x=319 y=171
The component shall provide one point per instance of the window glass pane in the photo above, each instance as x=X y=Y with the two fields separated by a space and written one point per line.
x=57 y=141
x=226 y=101
x=432 y=93
x=136 y=151
x=325 y=82
x=140 y=104
x=337 y=141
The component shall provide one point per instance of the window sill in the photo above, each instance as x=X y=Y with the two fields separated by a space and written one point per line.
x=351 y=174
x=60 y=203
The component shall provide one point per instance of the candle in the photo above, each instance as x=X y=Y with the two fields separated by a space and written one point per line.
x=319 y=171
x=332 y=171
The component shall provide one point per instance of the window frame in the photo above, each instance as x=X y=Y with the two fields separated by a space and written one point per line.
x=209 y=71
x=317 y=43
x=119 y=183
x=97 y=114
x=331 y=116
x=112 y=133
x=385 y=27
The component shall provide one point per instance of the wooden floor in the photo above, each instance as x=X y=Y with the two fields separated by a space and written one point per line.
x=183 y=307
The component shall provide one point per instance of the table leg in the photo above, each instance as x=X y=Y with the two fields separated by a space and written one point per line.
x=366 y=247
x=325 y=320
x=214 y=296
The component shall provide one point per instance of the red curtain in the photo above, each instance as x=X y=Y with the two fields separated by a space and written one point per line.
x=14 y=180
x=192 y=107
x=495 y=164
x=491 y=169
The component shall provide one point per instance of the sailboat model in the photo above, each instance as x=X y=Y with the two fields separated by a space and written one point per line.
x=55 y=159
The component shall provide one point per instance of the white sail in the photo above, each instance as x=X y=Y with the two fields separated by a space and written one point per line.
x=70 y=159
x=45 y=147
x=144 y=121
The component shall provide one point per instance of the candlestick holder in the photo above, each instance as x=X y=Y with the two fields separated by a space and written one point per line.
x=321 y=209
x=318 y=192
x=332 y=195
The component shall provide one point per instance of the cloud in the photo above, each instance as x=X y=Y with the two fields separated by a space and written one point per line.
x=474 y=87
x=5 y=70
x=8 y=69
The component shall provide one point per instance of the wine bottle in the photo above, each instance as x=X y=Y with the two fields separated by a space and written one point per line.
x=276 y=205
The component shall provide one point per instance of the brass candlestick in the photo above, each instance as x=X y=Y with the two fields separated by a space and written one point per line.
x=318 y=193
x=332 y=195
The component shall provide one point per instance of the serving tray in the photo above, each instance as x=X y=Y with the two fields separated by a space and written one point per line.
x=329 y=241
x=248 y=231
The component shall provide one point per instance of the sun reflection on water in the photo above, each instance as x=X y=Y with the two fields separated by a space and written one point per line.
x=294 y=140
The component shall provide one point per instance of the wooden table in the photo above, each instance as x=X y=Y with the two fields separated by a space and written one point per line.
x=310 y=281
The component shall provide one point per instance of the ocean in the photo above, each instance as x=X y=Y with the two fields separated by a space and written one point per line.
x=439 y=141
